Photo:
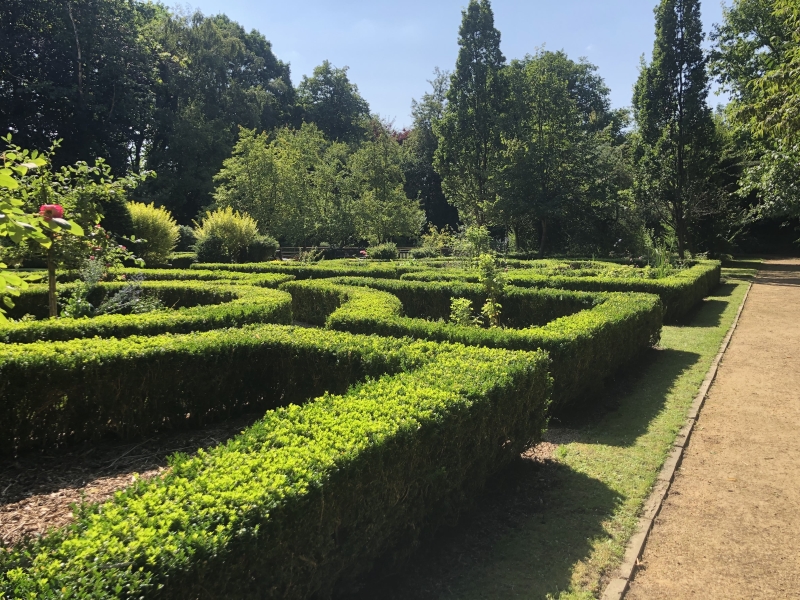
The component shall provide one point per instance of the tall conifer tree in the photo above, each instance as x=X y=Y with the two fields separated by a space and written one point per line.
x=469 y=132
x=675 y=123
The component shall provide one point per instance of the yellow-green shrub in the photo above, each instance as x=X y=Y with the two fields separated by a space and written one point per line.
x=158 y=228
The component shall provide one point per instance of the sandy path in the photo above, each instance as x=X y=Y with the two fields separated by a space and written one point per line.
x=730 y=527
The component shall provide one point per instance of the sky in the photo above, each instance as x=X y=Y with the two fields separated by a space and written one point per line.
x=392 y=46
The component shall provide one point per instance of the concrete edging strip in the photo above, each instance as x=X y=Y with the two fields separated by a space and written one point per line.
x=618 y=586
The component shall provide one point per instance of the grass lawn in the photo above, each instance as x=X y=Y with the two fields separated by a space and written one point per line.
x=558 y=528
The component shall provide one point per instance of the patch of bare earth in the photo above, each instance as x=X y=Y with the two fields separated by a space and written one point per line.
x=730 y=527
x=38 y=490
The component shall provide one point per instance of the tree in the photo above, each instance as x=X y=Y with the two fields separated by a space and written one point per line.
x=419 y=148
x=333 y=104
x=756 y=57
x=382 y=210
x=678 y=141
x=469 y=130
x=293 y=183
x=214 y=78
x=78 y=70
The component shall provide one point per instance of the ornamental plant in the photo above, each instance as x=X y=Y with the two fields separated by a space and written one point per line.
x=494 y=283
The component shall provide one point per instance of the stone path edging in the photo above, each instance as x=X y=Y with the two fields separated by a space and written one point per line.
x=618 y=586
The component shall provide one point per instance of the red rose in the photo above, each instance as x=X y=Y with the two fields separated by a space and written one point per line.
x=51 y=211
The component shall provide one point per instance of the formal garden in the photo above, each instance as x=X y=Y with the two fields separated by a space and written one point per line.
x=270 y=347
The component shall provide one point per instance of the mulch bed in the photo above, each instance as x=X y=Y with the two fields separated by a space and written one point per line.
x=38 y=490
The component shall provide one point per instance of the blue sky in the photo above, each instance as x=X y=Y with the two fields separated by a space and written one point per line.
x=392 y=46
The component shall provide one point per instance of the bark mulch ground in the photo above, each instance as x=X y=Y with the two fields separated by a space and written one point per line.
x=38 y=490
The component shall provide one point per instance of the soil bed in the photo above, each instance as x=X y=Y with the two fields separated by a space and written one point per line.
x=37 y=490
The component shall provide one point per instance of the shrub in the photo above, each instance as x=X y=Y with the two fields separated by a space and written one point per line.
x=187 y=239
x=329 y=268
x=182 y=260
x=424 y=252
x=310 y=495
x=159 y=230
x=228 y=236
x=386 y=251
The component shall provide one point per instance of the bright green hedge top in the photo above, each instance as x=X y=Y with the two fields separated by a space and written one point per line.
x=203 y=306
x=241 y=514
x=321 y=270
x=679 y=292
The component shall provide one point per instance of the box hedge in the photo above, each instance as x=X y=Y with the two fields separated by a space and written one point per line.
x=322 y=270
x=679 y=292
x=53 y=392
x=585 y=347
x=310 y=495
x=197 y=306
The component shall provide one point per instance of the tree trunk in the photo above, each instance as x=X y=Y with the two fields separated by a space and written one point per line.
x=51 y=278
x=543 y=238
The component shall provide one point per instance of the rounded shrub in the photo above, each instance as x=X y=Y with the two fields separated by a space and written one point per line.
x=226 y=235
x=187 y=239
x=387 y=251
x=424 y=252
x=156 y=226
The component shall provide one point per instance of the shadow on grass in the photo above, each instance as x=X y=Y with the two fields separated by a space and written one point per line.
x=708 y=313
x=636 y=396
x=522 y=518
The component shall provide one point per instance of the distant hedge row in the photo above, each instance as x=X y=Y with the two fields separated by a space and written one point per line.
x=308 y=496
x=198 y=306
x=679 y=292
x=321 y=270
x=585 y=347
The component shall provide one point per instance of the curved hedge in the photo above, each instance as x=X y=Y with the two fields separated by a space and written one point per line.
x=320 y=270
x=272 y=280
x=311 y=494
x=585 y=347
x=204 y=306
x=679 y=292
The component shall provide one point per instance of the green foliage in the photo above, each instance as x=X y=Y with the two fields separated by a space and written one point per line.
x=296 y=481
x=493 y=283
x=680 y=291
x=187 y=238
x=227 y=236
x=328 y=268
x=588 y=336
x=157 y=230
x=381 y=210
x=461 y=312
x=419 y=147
x=333 y=104
x=387 y=251
x=212 y=304
x=679 y=148
x=469 y=147
x=294 y=183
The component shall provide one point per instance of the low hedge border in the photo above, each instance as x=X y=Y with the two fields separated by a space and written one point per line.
x=321 y=270
x=679 y=292
x=585 y=347
x=309 y=496
x=54 y=392
x=270 y=280
x=205 y=306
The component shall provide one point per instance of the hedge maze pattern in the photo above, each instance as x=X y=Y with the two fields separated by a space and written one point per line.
x=380 y=416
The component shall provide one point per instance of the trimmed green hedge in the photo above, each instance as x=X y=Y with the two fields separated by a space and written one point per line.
x=272 y=280
x=585 y=347
x=321 y=270
x=52 y=392
x=311 y=495
x=204 y=306
x=679 y=292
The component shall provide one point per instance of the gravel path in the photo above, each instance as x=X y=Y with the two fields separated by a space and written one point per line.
x=730 y=527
